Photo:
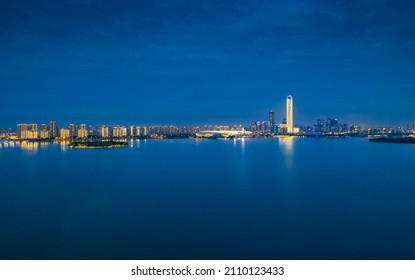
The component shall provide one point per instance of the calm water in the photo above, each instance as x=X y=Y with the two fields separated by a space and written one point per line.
x=207 y=199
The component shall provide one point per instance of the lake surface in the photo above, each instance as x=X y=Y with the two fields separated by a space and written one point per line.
x=282 y=198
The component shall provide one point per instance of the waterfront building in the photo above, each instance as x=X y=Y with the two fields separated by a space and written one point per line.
x=44 y=134
x=290 y=118
x=27 y=131
x=332 y=125
x=320 y=126
x=72 y=130
x=82 y=133
x=64 y=133
x=83 y=126
x=119 y=131
x=30 y=134
x=271 y=120
x=53 y=129
x=20 y=128
x=103 y=131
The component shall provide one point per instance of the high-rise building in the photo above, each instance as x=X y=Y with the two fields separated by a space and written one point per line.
x=119 y=131
x=53 y=129
x=131 y=134
x=27 y=131
x=271 y=120
x=64 y=133
x=20 y=129
x=290 y=120
x=320 y=126
x=82 y=133
x=72 y=130
x=83 y=126
x=332 y=125
x=103 y=132
x=44 y=134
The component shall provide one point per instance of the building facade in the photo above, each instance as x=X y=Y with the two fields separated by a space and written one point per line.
x=290 y=117
x=64 y=133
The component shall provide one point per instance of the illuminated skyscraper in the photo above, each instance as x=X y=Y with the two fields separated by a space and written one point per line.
x=119 y=131
x=27 y=131
x=72 y=130
x=64 y=133
x=289 y=114
x=44 y=134
x=82 y=133
x=21 y=128
x=103 y=131
x=271 y=120
x=131 y=131
x=53 y=129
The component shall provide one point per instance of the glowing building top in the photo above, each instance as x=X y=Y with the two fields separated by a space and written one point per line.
x=290 y=119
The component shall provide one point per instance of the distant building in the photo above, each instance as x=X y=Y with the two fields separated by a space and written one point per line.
x=44 y=134
x=83 y=126
x=53 y=129
x=332 y=125
x=20 y=129
x=27 y=131
x=119 y=131
x=271 y=120
x=30 y=134
x=103 y=131
x=64 y=133
x=72 y=130
x=82 y=133
x=290 y=118
x=320 y=126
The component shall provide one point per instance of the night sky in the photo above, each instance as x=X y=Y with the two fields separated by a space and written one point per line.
x=199 y=62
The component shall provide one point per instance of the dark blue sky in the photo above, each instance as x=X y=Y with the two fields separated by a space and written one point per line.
x=197 y=62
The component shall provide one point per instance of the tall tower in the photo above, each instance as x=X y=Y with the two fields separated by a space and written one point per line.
x=271 y=120
x=289 y=114
x=53 y=129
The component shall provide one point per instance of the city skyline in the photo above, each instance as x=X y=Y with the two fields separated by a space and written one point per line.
x=210 y=62
x=286 y=125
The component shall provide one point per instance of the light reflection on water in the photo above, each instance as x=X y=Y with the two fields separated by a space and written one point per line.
x=267 y=193
x=286 y=145
x=28 y=146
x=243 y=144
x=64 y=146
